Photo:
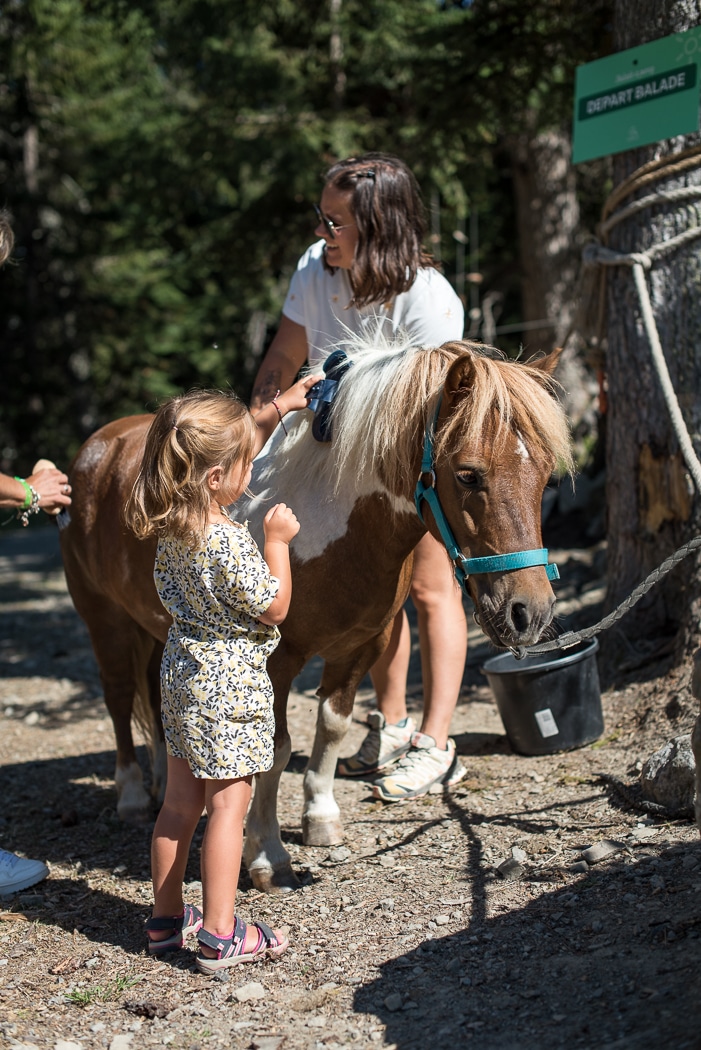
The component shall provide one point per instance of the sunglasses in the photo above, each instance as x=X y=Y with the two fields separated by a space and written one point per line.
x=329 y=225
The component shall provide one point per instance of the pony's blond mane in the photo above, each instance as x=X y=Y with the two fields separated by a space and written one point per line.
x=391 y=390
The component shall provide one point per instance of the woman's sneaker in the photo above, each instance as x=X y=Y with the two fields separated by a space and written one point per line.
x=17 y=873
x=422 y=766
x=382 y=746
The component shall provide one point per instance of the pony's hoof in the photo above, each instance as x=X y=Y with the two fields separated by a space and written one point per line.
x=321 y=832
x=282 y=880
x=137 y=816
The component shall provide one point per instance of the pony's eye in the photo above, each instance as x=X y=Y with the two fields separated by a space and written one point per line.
x=470 y=479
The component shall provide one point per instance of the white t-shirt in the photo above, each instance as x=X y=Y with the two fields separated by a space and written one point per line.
x=430 y=311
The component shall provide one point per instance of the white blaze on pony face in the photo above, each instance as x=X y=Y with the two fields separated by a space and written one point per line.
x=291 y=469
x=521 y=449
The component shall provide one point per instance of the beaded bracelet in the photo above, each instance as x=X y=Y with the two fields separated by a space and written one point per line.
x=31 y=501
x=279 y=413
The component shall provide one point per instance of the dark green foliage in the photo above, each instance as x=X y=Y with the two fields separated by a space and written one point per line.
x=160 y=159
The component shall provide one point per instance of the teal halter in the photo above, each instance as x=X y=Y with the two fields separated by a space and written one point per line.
x=425 y=491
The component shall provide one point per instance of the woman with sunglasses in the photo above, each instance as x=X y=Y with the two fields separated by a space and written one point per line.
x=370 y=266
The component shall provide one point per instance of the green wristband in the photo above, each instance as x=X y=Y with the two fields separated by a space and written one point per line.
x=27 y=493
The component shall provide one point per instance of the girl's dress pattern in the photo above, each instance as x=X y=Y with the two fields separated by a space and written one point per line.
x=217 y=698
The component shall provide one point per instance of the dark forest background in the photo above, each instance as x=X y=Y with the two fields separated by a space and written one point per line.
x=161 y=158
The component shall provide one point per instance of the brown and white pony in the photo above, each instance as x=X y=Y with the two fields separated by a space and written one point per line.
x=499 y=432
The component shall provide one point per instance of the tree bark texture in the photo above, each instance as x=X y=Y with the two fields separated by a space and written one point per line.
x=652 y=505
x=549 y=237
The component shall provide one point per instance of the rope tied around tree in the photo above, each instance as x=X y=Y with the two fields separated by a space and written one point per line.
x=598 y=254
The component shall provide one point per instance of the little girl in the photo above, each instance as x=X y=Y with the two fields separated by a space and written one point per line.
x=217 y=701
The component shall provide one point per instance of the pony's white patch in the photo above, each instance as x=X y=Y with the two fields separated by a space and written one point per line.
x=521 y=448
x=132 y=798
x=321 y=806
x=295 y=469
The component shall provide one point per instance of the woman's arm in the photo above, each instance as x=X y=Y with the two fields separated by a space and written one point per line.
x=286 y=355
x=50 y=484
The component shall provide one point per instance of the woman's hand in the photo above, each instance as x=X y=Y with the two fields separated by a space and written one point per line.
x=52 y=486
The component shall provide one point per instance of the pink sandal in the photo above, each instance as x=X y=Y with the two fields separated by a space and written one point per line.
x=181 y=925
x=230 y=950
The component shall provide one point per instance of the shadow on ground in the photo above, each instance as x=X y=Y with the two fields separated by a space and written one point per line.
x=593 y=936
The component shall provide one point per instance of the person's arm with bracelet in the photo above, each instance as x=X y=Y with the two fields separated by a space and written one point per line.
x=286 y=355
x=47 y=489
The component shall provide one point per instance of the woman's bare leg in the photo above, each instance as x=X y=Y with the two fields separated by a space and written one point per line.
x=389 y=673
x=442 y=636
x=442 y=641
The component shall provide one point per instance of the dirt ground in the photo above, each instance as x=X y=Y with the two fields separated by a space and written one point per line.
x=409 y=935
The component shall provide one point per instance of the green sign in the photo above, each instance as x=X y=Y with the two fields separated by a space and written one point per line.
x=636 y=97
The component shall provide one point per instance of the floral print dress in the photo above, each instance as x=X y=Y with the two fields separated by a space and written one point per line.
x=217 y=698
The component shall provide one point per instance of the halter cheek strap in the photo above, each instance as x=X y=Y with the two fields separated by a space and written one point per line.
x=425 y=492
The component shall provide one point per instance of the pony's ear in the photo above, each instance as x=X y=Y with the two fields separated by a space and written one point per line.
x=547 y=364
x=460 y=378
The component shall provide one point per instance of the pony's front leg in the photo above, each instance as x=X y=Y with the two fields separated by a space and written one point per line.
x=119 y=651
x=321 y=818
x=265 y=857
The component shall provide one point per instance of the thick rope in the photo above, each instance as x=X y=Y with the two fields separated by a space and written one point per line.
x=690 y=457
x=662 y=167
x=598 y=254
x=684 y=193
x=570 y=638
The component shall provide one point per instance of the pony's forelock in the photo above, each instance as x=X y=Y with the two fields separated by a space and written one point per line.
x=521 y=398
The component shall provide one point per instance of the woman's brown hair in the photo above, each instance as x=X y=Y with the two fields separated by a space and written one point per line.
x=388 y=212
x=188 y=436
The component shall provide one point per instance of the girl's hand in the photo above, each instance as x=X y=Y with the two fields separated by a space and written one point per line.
x=296 y=397
x=280 y=523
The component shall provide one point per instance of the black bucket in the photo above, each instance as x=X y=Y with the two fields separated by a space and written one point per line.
x=550 y=702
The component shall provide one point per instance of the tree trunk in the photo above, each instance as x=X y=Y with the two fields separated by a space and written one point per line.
x=652 y=506
x=549 y=235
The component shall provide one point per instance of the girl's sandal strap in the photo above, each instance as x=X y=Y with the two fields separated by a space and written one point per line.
x=218 y=944
x=266 y=934
x=163 y=922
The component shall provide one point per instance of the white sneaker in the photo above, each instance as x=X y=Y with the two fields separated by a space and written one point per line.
x=421 y=767
x=17 y=874
x=382 y=746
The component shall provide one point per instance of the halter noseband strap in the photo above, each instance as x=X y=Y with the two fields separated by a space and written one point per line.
x=425 y=492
